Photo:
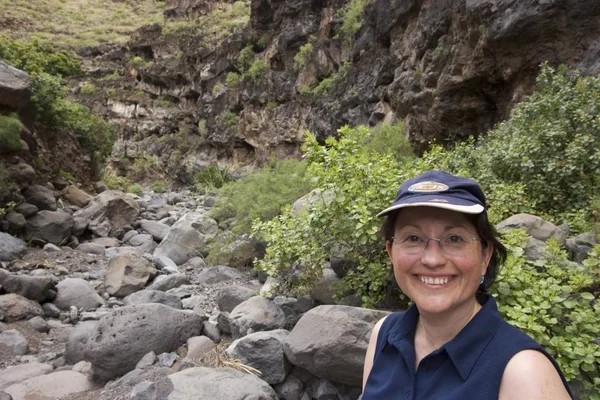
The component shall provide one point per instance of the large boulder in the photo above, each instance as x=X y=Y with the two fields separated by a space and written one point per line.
x=79 y=293
x=49 y=226
x=15 y=307
x=51 y=386
x=263 y=351
x=217 y=274
x=18 y=373
x=36 y=288
x=187 y=238
x=331 y=342
x=121 y=339
x=167 y=282
x=76 y=196
x=536 y=227
x=324 y=289
x=11 y=248
x=14 y=87
x=158 y=230
x=109 y=212
x=254 y=315
x=78 y=340
x=127 y=273
x=206 y=384
x=580 y=245
x=153 y=296
x=41 y=197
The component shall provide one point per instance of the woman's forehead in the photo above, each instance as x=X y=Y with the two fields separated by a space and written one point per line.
x=431 y=216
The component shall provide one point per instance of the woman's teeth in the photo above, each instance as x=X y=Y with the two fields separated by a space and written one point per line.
x=429 y=280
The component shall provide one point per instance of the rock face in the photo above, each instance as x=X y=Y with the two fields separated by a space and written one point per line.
x=328 y=337
x=109 y=212
x=206 y=384
x=187 y=238
x=114 y=347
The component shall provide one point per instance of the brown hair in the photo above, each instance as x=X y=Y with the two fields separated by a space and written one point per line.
x=487 y=234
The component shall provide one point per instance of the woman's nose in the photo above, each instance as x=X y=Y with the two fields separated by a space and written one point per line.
x=433 y=256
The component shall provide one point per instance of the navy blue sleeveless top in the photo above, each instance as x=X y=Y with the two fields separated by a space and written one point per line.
x=470 y=366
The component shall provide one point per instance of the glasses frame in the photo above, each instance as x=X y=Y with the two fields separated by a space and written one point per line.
x=426 y=239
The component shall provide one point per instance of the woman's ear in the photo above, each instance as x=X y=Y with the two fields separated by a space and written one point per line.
x=487 y=256
x=388 y=247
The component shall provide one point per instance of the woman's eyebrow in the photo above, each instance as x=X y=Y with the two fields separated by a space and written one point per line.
x=446 y=228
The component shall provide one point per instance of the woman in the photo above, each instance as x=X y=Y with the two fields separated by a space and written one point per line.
x=452 y=343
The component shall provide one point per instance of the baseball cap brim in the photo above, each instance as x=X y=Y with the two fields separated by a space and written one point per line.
x=436 y=201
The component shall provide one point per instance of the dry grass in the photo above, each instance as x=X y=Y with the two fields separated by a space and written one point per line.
x=77 y=22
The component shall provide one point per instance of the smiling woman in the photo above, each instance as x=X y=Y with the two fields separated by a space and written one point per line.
x=445 y=256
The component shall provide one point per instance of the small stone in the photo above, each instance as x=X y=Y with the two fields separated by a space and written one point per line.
x=15 y=341
x=39 y=324
x=167 y=359
x=147 y=361
x=52 y=248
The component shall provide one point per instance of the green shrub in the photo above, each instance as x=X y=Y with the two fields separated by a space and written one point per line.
x=303 y=54
x=67 y=176
x=115 y=182
x=233 y=80
x=217 y=88
x=245 y=58
x=135 y=189
x=261 y=195
x=138 y=62
x=88 y=88
x=10 y=132
x=37 y=57
x=158 y=187
x=257 y=70
x=352 y=19
x=210 y=178
x=386 y=138
x=228 y=119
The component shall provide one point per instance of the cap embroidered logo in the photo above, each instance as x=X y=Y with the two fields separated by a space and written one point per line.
x=428 y=186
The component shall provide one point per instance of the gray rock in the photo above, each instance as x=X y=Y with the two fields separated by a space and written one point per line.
x=79 y=293
x=39 y=324
x=535 y=226
x=147 y=361
x=156 y=229
x=36 y=288
x=194 y=302
x=329 y=336
x=143 y=243
x=17 y=307
x=91 y=248
x=167 y=359
x=26 y=209
x=187 y=238
x=51 y=386
x=109 y=212
x=17 y=222
x=49 y=226
x=79 y=226
x=15 y=87
x=127 y=274
x=211 y=330
x=50 y=310
x=323 y=389
x=78 y=197
x=198 y=347
x=324 y=289
x=218 y=274
x=52 y=248
x=79 y=339
x=290 y=389
x=11 y=248
x=162 y=262
x=114 y=347
x=254 y=315
x=535 y=249
x=223 y=322
x=129 y=235
x=206 y=384
x=263 y=351
x=229 y=297
x=166 y=282
x=41 y=197
x=196 y=263
x=18 y=373
x=107 y=242
x=113 y=252
x=153 y=296
x=15 y=341
x=581 y=245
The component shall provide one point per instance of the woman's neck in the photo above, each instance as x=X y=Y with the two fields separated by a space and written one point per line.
x=433 y=331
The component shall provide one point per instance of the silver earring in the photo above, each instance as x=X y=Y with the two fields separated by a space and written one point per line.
x=482 y=279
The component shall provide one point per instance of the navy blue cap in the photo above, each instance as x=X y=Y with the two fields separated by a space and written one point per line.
x=441 y=190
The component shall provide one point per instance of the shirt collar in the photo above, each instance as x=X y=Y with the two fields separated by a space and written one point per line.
x=466 y=348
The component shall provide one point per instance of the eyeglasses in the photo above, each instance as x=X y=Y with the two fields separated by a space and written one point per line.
x=452 y=244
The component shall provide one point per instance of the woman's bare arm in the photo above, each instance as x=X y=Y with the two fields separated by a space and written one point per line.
x=530 y=375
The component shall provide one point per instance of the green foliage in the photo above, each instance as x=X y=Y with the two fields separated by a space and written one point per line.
x=88 y=88
x=261 y=195
x=552 y=300
x=386 y=138
x=138 y=62
x=115 y=182
x=303 y=54
x=7 y=185
x=67 y=176
x=229 y=251
x=10 y=132
x=217 y=88
x=38 y=57
x=158 y=187
x=210 y=178
x=326 y=85
x=257 y=70
x=228 y=119
x=233 y=80
x=245 y=58
x=135 y=189
x=352 y=19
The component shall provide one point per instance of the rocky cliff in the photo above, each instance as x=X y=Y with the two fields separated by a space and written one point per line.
x=219 y=88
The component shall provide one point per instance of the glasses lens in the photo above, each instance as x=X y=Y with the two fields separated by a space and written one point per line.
x=451 y=244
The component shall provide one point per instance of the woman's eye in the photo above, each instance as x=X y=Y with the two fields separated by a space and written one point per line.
x=413 y=238
x=454 y=239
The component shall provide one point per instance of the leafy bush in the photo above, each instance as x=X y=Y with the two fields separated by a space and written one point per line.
x=88 y=88
x=261 y=195
x=233 y=80
x=257 y=70
x=210 y=178
x=245 y=58
x=158 y=187
x=37 y=57
x=352 y=19
x=228 y=119
x=303 y=54
x=10 y=132
x=135 y=189
x=386 y=138
x=115 y=182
